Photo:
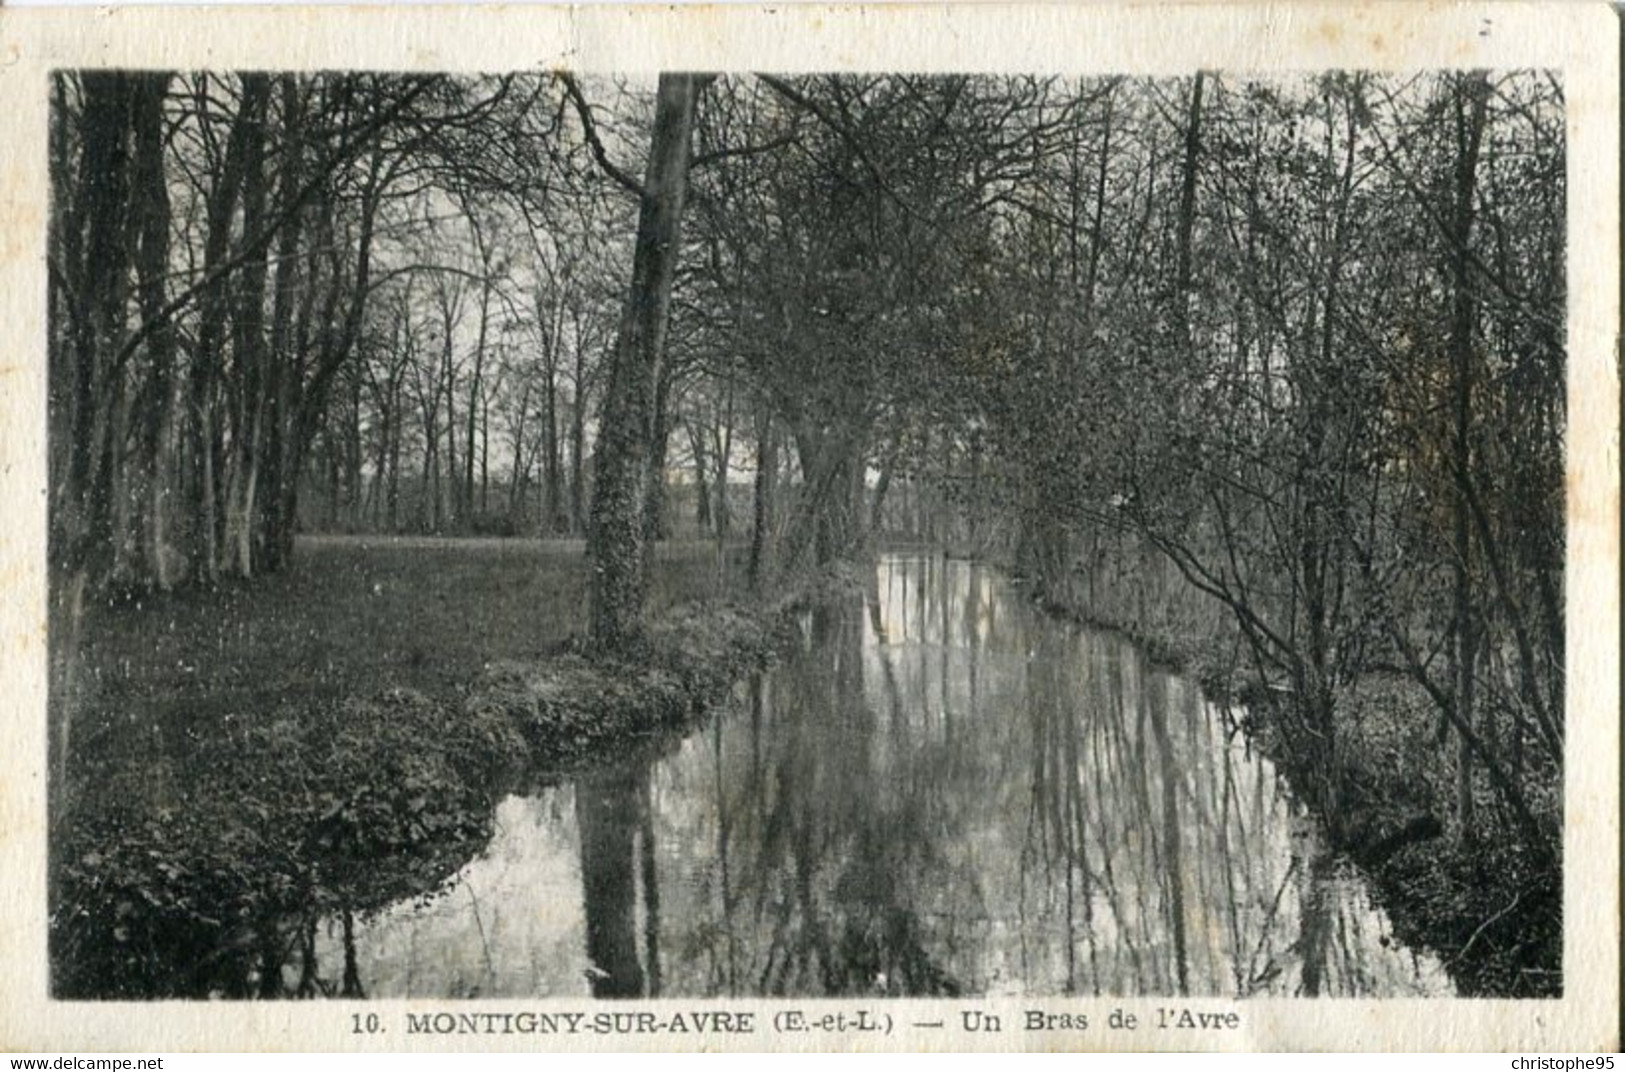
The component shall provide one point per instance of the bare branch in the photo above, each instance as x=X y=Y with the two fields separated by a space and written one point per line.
x=590 y=128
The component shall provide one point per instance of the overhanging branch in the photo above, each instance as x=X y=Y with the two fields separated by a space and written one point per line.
x=590 y=129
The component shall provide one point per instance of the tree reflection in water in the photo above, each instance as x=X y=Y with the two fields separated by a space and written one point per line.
x=613 y=816
x=939 y=791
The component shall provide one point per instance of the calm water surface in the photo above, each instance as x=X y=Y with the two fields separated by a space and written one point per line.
x=940 y=791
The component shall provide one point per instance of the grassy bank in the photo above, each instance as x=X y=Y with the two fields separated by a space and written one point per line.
x=334 y=739
x=353 y=615
x=1490 y=909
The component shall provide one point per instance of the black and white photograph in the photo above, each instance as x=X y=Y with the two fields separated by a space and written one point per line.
x=722 y=532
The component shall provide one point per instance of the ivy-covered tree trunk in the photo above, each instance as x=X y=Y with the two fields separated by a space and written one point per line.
x=621 y=477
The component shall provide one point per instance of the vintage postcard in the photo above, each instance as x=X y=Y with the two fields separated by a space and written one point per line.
x=1007 y=527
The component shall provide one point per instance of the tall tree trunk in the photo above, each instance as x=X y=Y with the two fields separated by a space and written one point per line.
x=380 y=462
x=656 y=519
x=453 y=508
x=485 y=453
x=96 y=250
x=281 y=377
x=157 y=432
x=337 y=346
x=475 y=386
x=578 y=443
x=66 y=239
x=702 y=480
x=621 y=469
x=555 y=478
x=248 y=343
x=1470 y=102
x=516 y=484
x=104 y=197
x=888 y=465
x=429 y=503
x=352 y=450
x=394 y=494
x=723 y=454
x=208 y=354
x=767 y=464
x=831 y=509
x=331 y=455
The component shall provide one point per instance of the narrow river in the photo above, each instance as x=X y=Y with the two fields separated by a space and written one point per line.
x=939 y=791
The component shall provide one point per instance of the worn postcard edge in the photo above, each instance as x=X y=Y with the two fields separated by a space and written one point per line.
x=1578 y=40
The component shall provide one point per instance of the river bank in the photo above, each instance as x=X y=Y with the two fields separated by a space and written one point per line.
x=1491 y=909
x=936 y=790
x=206 y=868
x=196 y=860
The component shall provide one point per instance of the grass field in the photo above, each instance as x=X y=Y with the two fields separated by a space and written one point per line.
x=353 y=616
